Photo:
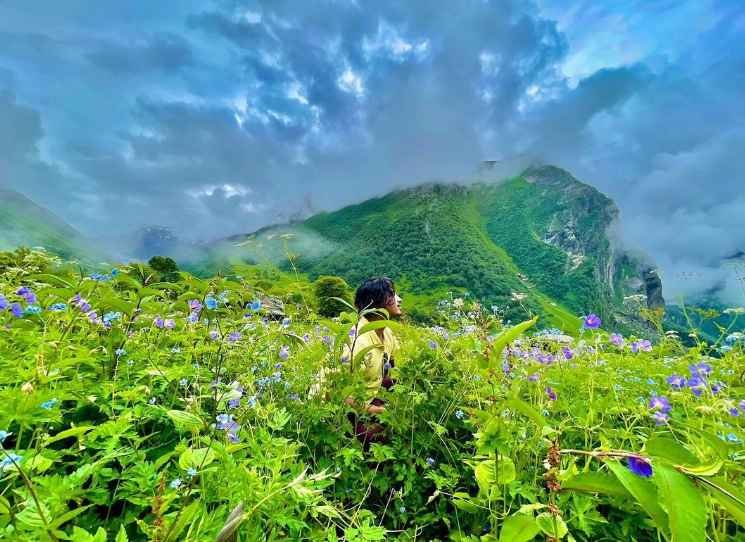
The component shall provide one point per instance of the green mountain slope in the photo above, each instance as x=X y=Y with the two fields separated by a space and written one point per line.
x=24 y=223
x=541 y=234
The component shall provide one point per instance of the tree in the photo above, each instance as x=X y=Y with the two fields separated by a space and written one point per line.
x=165 y=267
x=328 y=287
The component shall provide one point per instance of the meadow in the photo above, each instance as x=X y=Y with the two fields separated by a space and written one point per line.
x=135 y=408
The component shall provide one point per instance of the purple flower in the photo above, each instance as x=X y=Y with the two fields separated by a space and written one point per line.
x=717 y=387
x=432 y=344
x=660 y=418
x=639 y=466
x=26 y=293
x=734 y=412
x=233 y=437
x=193 y=317
x=616 y=339
x=534 y=377
x=235 y=336
x=195 y=305
x=16 y=310
x=3 y=303
x=660 y=403
x=284 y=352
x=676 y=381
x=353 y=332
x=551 y=393
x=159 y=322
x=702 y=369
x=568 y=354
x=214 y=335
x=592 y=321
x=169 y=323
x=226 y=422
x=234 y=403
x=742 y=405
x=697 y=385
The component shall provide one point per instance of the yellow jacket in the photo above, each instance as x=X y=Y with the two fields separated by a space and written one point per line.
x=372 y=364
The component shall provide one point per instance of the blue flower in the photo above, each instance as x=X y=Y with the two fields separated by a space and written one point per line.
x=99 y=277
x=702 y=369
x=159 y=322
x=660 y=403
x=183 y=382
x=119 y=352
x=4 y=435
x=32 y=309
x=286 y=322
x=616 y=339
x=57 y=307
x=235 y=336
x=734 y=412
x=176 y=483
x=26 y=293
x=111 y=316
x=191 y=472
x=234 y=403
x=210 y=302
x=9 y=460
x=16 y=310
x=550 y=393
x=432 y=344
x=114 y=272
x=226 y=422
x=50 y=404
x=697 y=385
x=676 y=381
x=660 y=418
x=592 y=321
x=568 y=354
x=284 y=352
x=3 y=303
x=255 y=305
x=459 y=414
x=431 y=462
x=639 y=466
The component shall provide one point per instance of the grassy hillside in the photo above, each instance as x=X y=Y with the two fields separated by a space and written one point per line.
x=24 y=223
x=541 y=235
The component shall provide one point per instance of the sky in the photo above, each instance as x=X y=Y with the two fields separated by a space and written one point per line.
x=219 y=117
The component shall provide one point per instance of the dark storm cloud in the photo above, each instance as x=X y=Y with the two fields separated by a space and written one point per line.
x=223 y=117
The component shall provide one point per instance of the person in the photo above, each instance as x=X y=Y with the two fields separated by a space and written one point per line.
x=380 y=347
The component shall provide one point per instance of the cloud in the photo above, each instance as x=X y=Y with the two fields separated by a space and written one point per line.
x=224 y=117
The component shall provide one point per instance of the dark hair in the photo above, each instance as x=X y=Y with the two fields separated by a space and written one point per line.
x=374 y=293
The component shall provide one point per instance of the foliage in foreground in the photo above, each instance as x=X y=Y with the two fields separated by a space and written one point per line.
x=180 y=411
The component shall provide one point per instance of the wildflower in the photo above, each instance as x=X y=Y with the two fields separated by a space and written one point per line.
x=27 y=388
x=568 y=354
x=111 y=317
x=252 y=401
x=50 y=404
x=193 y=317
x=214 y=335
x=176 y=483
x=114 y=272
x=432 y=344
x=9 y=460
x=93 y=316
x=226 y=422
x=234 y=337
x=431 y=462
x=697 y=385
x=676 y=381
x=191 y=472
x=717 y=387
x=16 y=310
x=195 y=305
x=639 y=466
x=459 y=414
x=616 y=339
x=701 y=369
x=119 y=352
x=734 y=412
x=353 y=332
x=660 y=418
x=592 y=321
x=32 y=309
x=550 y=393
x=731 y=437
x=3 y=303
x=255 y=305
x=284 y=352
x=152 y=401
x=233 y=437
x=159 y=322
x=210 y=302
x=57 y=307
x=660 y=403
x=286 y=322
x=26 y=293
x=4 y=435
x=402 y=509
x=99 y=277
x=533 y=377
x=169 y=323
x=742 y=405
x=344 y=358
x=183 y=382
x=234 y=403
x=327 y=340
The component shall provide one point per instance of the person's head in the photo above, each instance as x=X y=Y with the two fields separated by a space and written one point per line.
x=378 y=293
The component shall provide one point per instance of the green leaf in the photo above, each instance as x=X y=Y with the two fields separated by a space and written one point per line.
x=67 y=516
x=671 y=450
x=67 y=433
x=279 y=419
x=187 y=516
x=528 y=411
x=729 y=496
x=506 y=337
x=643 y=491
x=185 y=421
x=552 y=525
x=378 y=324
x=486 y=477
x=596 y=482
x=519 y=528
x=196 y=458
x=684 y=503
x=709 y=469
x=462 y=501
x=121 y=536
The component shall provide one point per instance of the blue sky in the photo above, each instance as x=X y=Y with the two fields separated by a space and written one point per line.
x=223 y=116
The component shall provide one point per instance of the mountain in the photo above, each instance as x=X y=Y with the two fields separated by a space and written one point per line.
x=24 y=223
x=542 y=234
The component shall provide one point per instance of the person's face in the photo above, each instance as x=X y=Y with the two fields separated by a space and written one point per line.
x=394 y=305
